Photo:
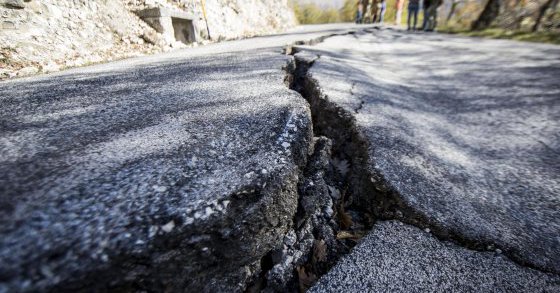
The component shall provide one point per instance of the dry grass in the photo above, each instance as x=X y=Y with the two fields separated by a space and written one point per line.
x=549 y=37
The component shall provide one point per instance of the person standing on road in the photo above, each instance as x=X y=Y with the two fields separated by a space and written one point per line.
x=360 y=12
x=366 y=17
x=383 y=10
x=426 y=4
x=430 y=14
x=398 y=7
x=374 y=10
x=413 y=7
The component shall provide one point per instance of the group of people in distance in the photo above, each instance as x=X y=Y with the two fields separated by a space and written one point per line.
x=377 y=9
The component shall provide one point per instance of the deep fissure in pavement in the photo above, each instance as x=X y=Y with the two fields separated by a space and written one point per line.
x=339 y=196
x=340 y=159
x=328 y=223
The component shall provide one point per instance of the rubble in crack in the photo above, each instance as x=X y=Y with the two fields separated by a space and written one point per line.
x=47 y=36
x=313 y=224
x=322 y=228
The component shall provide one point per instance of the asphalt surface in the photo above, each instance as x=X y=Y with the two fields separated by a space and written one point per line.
x=400 y=258
x=171 y=171
x=180 y=170
x=463 y=136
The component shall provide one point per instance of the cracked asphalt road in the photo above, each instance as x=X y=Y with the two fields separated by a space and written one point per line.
x=463 y=133
x=171 y=171
x=115 y=176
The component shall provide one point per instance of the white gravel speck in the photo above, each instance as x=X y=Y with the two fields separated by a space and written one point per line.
x=208 y=212
x=168 y=227
x=159 y=188
x=153 y=230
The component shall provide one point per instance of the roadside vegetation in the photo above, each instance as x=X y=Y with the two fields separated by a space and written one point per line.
x=524 y=20
x=498 y=33
x=311 y=13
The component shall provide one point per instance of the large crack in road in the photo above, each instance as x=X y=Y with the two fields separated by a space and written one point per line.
x=372 y=198
x=327 y=225
x=138 y=176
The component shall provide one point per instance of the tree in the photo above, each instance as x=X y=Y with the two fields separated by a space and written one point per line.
x=542 y=11
x=487 y=16
x=454 y=4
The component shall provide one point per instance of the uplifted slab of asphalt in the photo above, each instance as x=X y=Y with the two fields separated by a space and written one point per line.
x=463 y=134
x=400 y=258
x=160 y=173
x=167 y=176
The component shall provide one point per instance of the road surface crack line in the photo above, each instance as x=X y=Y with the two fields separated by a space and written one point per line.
x=340 y=196
x=366 y=187
x=324 y=227
x=353 y=93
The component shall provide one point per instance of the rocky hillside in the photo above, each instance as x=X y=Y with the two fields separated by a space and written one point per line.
x=48 y=35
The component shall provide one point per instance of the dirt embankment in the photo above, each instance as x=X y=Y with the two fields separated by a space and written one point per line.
x=49 y=35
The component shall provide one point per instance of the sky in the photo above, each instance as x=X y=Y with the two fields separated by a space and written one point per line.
x=331 y=3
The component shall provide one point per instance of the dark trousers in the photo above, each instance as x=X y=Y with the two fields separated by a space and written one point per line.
x=359 y=17
x=412 y=11
x=430 y=18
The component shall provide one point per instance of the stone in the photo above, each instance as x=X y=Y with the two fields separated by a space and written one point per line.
x=42 y=8
x=50 y=67
x=4 y=73
x=178 y=45
x=16 y=4
x=9 y=25
x=152 y=37
x=172 y=24
x=27 y=71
